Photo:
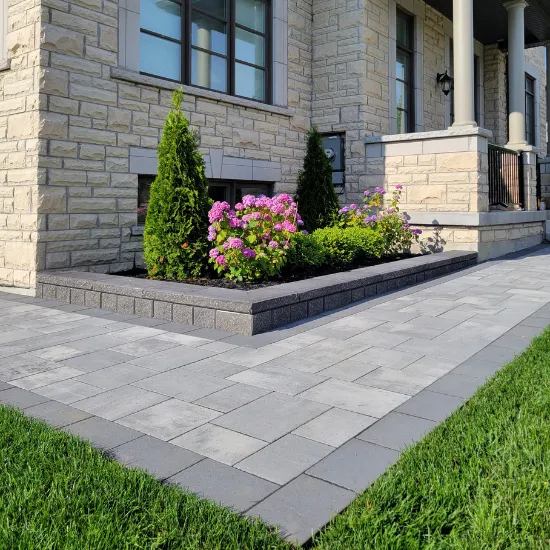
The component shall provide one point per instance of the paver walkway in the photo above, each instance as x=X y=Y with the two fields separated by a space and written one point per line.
x=288 y=425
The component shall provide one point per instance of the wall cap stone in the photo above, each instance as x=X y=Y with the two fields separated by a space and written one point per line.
x=421 y=136
x=477 y=219
x=137 y=78
x=253 y=301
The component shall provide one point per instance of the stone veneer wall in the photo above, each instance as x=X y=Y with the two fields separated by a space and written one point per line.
x=496 y=97
x=535 y=58
x=496 y=106
x=489 y=241
x=20 y=120
x=439 y=171
x=89 y=123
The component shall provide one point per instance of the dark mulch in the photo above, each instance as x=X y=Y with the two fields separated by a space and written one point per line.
x=214 y=281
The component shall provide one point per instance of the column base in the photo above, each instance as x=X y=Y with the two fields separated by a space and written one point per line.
x=469 y=123
x=517 y=145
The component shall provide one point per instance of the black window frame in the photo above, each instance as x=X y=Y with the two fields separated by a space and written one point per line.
x=530 y=126
x=187 y=48
x=408 y=50
x=231 y=187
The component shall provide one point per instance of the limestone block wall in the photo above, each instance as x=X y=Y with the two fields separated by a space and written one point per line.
x=99 y=114
x=489 y=241
x=434 y=63
x=439 y=171
x=20 y=121
x=496 y=106
x=536 y=66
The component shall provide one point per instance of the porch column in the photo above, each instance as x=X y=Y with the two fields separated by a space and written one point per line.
x=516 y=74
x=463 y=48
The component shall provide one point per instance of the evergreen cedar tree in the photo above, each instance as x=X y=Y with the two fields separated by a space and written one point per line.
x=175 y=245
x=315 y=195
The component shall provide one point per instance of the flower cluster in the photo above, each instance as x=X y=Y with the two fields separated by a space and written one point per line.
x=251 y=239
x=383 y=217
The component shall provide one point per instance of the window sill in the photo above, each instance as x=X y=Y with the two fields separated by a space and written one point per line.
x=5 y=65
x=137 y=78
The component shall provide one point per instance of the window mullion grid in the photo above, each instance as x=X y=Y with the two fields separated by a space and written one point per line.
x=231 y=7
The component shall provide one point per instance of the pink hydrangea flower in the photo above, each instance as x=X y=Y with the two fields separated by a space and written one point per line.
x=249 y=253
x=214 y=253
x=273 y=244
x=278 y=227
x=220 y=260
x=239 y=206
x=235 y=242
x=289 y=226
x=249 y=200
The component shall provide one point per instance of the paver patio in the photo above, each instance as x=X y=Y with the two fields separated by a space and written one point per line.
x=287 y=425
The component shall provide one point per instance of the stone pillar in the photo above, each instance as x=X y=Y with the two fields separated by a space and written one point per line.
x=530 y=179
x=463 y=48
x=516 y=74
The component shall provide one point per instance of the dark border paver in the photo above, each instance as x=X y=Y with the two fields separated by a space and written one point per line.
x=224 y=484
x=56 y=414
x=355 y=465
x=431 y=405
x=397 y=431
x=102 y=433
x=159 y=458
x=302 y=507
x=457 y=385
x=21 y=399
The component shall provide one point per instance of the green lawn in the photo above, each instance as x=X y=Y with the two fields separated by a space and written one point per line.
x=57 y=492
x=479 y=481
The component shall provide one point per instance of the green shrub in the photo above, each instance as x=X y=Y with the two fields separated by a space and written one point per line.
x=350 y=246
x=305 y=254
x=176 y=227
x=315 y=195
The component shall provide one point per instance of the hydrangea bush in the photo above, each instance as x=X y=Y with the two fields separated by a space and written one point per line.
x=251 y=240
x=386 y=219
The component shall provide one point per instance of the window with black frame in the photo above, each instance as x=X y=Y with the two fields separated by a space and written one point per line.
x=218 y=190
x=404 y=72
x=220 y=45
x=234 y=191
x=530 y=110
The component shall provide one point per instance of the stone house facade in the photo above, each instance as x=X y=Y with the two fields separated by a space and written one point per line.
x=85 y=86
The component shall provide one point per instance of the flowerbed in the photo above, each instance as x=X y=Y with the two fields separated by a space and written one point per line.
x=260 y=238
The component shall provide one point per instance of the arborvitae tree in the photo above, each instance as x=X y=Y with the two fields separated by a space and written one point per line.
x=176 y=227
x=315 y=195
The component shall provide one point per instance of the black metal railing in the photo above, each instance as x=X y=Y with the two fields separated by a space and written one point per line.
x=539 y=183
x=506 y=187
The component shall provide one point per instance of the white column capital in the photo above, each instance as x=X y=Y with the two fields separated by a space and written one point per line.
x=511 y=4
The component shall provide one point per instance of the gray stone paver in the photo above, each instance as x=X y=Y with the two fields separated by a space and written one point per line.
x=320 y=407
x=285 y=459
x=219 y=443
x=168 y=419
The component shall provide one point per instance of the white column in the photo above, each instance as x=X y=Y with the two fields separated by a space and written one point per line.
x=463 y=48
x=516 y=74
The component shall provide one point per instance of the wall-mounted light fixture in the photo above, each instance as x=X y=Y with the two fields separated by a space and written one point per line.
x=446 y=82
